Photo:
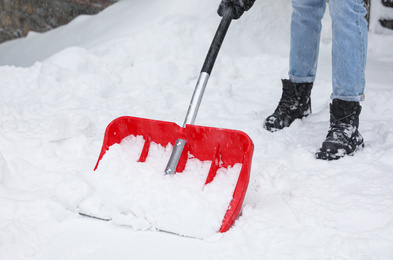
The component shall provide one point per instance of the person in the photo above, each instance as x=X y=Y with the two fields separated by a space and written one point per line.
x=349 y=53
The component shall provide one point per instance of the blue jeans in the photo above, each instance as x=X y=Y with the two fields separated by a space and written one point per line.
x=349 y=45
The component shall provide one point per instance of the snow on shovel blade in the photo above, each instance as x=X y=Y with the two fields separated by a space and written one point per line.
x=223 y=147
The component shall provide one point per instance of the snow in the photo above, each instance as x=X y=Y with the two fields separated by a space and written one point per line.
x=60 y=89
x=144 y=198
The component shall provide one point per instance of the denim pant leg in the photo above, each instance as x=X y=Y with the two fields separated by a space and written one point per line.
x=305 y=37
x=349 y=49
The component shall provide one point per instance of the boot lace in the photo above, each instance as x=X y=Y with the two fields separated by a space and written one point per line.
x=339 y=131
x=287 y=104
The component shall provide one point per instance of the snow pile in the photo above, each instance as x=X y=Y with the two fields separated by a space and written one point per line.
x=139 y=195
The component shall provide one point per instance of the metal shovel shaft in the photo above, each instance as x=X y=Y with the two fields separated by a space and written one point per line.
x=196 y=99
x=190 y=119
x=200 y=87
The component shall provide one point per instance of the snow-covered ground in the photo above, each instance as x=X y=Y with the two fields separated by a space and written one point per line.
x=60 y=89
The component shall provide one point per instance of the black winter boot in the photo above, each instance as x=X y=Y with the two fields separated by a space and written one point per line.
x=387 y=23
x=387 y=3
x=343 y=137
x=295 y=103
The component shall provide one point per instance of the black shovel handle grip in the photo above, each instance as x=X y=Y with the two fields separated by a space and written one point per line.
x=217 y=40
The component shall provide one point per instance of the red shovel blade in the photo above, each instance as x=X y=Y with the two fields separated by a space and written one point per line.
x=223 y=147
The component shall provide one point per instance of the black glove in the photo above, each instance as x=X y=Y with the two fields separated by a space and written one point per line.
x=239 y=7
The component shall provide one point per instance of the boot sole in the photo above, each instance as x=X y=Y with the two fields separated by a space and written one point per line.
x=332 y=157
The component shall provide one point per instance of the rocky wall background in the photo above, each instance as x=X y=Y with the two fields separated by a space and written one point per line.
x=18 y=17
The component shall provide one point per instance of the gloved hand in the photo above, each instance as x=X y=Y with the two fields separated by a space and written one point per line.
x=239 y=7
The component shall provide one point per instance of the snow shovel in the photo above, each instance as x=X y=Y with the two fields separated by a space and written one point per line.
x=223 y=147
